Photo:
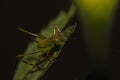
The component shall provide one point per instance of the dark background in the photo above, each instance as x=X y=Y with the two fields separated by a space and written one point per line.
x=72 y=64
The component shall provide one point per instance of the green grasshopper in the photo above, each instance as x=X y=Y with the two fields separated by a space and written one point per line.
x=37 y=62
x=46 y=47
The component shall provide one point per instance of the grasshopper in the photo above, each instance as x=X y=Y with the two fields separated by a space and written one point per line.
x=45 y=48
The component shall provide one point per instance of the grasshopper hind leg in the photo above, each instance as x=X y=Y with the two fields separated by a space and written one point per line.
x=59 y=31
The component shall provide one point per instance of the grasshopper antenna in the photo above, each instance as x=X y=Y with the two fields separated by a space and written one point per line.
x=33 y=34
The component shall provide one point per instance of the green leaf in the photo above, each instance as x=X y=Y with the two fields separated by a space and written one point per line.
x=22 y=71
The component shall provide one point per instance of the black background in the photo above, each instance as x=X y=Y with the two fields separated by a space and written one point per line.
x=72 y=63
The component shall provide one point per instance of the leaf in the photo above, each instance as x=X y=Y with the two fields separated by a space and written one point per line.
x=22 y=69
